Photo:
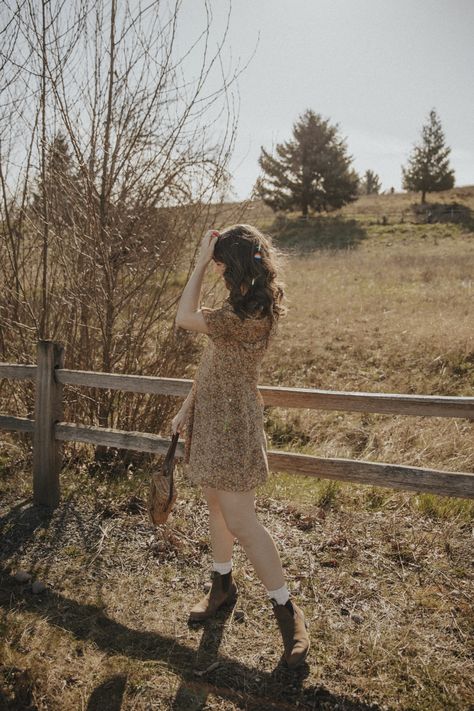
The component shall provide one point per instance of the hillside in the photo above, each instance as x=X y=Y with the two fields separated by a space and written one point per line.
x=385 y=577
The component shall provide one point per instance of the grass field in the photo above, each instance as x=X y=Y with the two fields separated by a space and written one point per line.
x=385 y=577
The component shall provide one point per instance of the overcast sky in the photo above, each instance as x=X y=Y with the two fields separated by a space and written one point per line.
x=374 y=67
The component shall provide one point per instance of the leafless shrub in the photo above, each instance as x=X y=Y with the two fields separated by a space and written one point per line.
x=109 y=172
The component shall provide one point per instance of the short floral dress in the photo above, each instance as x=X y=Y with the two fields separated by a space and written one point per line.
x=226 y=444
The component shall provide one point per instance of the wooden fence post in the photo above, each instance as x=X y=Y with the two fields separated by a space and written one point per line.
x=47 y=455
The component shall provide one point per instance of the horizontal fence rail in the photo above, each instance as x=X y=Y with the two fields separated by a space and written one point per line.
x=49 y=429
x=19 y=424
x=17 y=371
x=311 y=398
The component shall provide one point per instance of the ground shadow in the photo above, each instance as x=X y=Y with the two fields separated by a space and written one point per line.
x=108 y=696
x=22 y=523
x=19 y=525
x=231 y=679
x=16 y=689
x=246 y=686
x=433 y=212
x=300 y=236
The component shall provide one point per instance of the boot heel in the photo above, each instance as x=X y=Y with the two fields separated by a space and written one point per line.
x=214 y=599
x=230 y=600
x=293 y=628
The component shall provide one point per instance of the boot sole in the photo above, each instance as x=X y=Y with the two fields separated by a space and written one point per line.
x=204 y=616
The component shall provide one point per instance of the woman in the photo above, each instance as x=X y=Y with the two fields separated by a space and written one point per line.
x=226 y=447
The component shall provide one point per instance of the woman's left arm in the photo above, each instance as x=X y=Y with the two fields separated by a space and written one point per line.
x=188 y=315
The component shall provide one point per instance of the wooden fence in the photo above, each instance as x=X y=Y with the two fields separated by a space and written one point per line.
x=49 y=429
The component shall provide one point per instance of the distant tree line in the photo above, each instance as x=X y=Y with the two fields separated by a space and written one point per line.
x=312 y=170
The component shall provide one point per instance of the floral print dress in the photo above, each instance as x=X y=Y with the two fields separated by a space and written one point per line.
x=226 y=444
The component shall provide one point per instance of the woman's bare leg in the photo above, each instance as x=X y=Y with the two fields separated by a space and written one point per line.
x=238 y=511
x=222 y=540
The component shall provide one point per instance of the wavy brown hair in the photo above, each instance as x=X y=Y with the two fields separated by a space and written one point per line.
x=254 y=287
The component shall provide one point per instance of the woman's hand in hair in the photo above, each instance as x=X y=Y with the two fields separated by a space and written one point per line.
x=207 y=246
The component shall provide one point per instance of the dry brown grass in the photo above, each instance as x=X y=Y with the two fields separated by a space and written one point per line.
x=394 y=319
x=385 y=577
x=387 y=592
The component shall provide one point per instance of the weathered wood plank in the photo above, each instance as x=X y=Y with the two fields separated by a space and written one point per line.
x=123 y=439
x=17 y=371
x=132 y=383
x=396 y=476
x=445 y=483
x=19 y=424
x=312 y=398
x=382 y=403
x=48 y=411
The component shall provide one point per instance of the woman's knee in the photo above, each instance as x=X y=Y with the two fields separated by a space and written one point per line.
x=212 y=499
x=245 y=530
x=239 y=513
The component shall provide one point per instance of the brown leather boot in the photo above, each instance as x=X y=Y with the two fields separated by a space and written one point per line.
x=223 y=591
x=292 y=624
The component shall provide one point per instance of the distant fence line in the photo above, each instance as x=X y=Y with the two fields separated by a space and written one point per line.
x=424 y=214
x=49 y=429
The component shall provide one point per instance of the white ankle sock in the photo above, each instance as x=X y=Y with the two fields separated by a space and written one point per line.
x=222 y=568
x=281 y=595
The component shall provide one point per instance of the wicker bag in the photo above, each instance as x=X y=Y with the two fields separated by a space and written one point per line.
x=162 y=492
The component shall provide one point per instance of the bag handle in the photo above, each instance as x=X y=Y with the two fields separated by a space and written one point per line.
x=168 y=464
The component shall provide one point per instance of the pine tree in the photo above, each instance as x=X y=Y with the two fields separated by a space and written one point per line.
x=61 y=184
x=428 y=166
x=370 y=184
x=310 y=171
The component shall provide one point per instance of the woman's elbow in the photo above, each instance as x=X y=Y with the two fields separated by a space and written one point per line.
x=192 y=322
x=182 y=321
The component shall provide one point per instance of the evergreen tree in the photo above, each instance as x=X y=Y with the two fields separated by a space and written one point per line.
x=61 y=184
x=370 y=184
x=428 y=166
x=310 y=171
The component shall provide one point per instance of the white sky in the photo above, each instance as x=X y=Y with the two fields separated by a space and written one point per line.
x=374 y=67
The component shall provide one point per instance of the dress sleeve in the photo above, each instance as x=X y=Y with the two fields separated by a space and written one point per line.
x=219 y=322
